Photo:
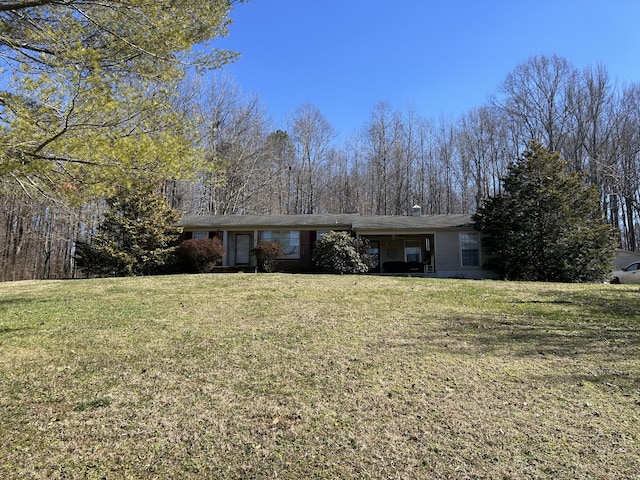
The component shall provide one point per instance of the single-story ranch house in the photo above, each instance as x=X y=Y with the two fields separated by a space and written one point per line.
x=428 y=245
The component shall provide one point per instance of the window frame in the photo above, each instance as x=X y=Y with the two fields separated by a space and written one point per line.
x=416 y=247
x=465 y=251
x=292 y=238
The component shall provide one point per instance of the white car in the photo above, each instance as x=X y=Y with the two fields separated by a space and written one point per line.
x=629 y=274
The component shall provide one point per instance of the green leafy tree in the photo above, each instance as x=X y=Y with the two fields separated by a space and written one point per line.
x=136 y=236
x=89 y=90
x=546 y=225
x=339 y=252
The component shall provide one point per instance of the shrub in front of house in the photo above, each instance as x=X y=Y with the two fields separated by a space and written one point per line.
x=266 y=254
x=199 y=255
x=339 y=252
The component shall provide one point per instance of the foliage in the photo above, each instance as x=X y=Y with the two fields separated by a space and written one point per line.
x=199 y=255
x=339 y=252
x=266 y=254
x=135 y=237
x=91 y=96
x=546 y=225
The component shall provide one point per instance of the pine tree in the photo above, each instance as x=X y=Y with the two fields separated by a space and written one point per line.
x=136 y=236
x=88 y=89
x=546 y=225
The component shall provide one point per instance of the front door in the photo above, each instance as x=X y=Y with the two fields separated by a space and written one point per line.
x=243 y=249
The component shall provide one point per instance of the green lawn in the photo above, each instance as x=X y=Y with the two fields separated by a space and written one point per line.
x=294 y=377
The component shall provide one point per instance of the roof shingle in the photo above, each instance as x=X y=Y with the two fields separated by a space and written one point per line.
x=330 y=221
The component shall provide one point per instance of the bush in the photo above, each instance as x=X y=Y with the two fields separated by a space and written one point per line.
x=339 y=252
x=200 y=255
x=266 y=254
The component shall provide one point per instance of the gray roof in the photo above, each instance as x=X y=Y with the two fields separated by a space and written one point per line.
x=326 y=222
x=410 y=222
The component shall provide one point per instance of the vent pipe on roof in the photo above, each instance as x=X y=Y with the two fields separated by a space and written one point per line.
x=417 y=210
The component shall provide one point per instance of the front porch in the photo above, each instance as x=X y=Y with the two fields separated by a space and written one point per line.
x=406 y=255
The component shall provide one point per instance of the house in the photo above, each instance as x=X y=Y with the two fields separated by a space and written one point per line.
x=427 y=245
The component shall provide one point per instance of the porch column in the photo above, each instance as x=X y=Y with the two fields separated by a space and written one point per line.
x=252 y=260
x=225 y=244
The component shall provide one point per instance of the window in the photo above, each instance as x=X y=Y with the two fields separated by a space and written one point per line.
x=321 y=233
x=470 y=249
x=289 y=239
x=199 y=235
x=374 y=252
x=412 y=252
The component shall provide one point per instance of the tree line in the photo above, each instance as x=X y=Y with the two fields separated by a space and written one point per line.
x=397 y=159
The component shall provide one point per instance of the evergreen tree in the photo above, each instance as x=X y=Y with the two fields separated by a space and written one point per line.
x=136 y=236
x=546 y=225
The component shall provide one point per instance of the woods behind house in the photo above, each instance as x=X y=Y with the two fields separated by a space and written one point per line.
x=397 y=158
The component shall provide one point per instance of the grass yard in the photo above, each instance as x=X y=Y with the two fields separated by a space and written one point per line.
x=245 y=376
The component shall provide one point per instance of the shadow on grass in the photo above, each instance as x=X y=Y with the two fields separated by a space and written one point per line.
x=9 y=330
x=619 y=302
x=605 y=324
x=584 y=338
x=17 y=306
x=600 y=332
x=21 y=301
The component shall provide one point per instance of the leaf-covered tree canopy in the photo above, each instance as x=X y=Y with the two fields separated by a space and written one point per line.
x=546 y=224
x=86 y=87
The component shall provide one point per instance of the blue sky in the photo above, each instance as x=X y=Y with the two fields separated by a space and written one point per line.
x=444 y=57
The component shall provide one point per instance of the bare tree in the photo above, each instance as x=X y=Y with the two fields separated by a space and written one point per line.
x=534 y=98
x=233 y=129
x=425 y=161
x=312 y=135
x=280 y=154
x=354 y=167
x=627 y=151
x=383 y=139
x=590 y=147
x=38 y=236
x=482 y=141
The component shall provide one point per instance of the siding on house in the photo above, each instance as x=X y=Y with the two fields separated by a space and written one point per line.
x=449 y=257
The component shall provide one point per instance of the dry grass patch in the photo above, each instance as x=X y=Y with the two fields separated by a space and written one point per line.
x=284 y=376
